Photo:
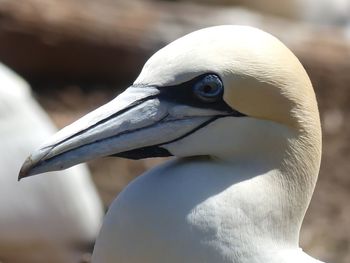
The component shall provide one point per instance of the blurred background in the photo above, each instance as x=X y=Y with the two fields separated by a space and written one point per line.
x=77 y=55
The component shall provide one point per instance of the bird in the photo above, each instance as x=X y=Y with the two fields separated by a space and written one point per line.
x=53 y=219
x=238 y=112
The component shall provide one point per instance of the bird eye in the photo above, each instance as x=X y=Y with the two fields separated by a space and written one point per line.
x=209 y=88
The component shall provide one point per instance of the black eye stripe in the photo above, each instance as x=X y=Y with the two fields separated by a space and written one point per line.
x=179 y=94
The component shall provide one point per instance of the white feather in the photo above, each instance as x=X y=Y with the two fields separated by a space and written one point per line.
x=48 y=218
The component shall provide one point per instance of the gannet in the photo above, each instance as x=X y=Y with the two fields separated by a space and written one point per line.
x=238 y=111
x=53 y=219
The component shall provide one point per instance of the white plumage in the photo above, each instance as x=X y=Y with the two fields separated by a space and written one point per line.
x=51 y=219
x=237 y=109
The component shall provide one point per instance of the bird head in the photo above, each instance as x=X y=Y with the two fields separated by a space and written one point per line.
x=224 y=92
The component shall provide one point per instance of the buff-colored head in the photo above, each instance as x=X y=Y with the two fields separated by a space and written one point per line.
x=262 y=77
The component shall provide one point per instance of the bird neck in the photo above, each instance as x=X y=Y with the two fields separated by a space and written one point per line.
x=279 y=177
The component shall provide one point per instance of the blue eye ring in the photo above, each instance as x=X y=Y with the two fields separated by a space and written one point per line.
x=209 y=88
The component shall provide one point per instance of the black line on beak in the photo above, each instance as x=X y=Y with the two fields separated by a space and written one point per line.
x=157 y=150
x=132 y=105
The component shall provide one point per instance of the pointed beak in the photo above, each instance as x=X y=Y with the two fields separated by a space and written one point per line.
x=134 y=125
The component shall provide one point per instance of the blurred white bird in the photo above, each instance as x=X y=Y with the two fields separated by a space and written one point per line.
x=49 y=219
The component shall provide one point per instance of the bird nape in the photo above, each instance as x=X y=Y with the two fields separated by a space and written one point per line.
x=238 y=103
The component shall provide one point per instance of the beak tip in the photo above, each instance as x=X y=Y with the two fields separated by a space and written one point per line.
x=26 y=168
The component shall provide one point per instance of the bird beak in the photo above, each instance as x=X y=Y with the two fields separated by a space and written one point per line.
x=134 y=125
